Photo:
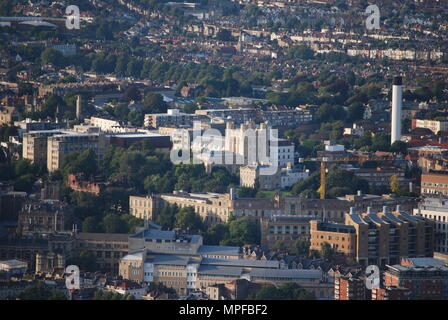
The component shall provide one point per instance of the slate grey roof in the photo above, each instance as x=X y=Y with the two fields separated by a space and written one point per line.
x=286 y=273
x=242 y=263
x=221 y=271
x=220 y=250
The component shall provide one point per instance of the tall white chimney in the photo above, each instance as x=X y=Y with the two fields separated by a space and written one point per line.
x=78 y=107
x=397 y=101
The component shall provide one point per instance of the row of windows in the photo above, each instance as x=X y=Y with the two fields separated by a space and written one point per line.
x=430 y=184
x=295 y=229
x=172 y=283
x=139 y=203
x=435 y=217
x=329 y=237
x=336 y=246
x=108 y=254
x=433 y=191
x=170 y=274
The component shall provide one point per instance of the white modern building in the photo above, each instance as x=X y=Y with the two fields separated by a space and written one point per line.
x=436 y=209
x=285 y=152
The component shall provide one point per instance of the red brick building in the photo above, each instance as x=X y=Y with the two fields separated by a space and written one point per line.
x=423 y=282
x=390 y=293
x=77 y=183
x=349 y=288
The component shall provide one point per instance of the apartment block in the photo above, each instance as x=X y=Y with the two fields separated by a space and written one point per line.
x=342 y=238
x=390 y=293
x=381 y=176
x=377 y=238
x=349 y=288
x=287 y=118
x=434 y=183
x=436 y=210
x=35 y=145
x=60 y=145
x=173 y=118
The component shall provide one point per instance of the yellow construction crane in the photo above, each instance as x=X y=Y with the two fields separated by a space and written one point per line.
x=323 y=168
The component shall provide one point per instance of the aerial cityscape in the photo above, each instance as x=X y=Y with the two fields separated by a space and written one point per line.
x=224 y=150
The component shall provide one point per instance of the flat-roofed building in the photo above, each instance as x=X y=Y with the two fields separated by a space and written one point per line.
x=284 y=229
x=391 y=293
x=106 y=125
x=436 y=210
x=434 y=183
x=60 y=145
x=334 y=210
x=377 y=238
x=341 y=237
x=108 y=248
x=433 y=125
x=349 y=288
x=287 y=118
x=381 y=177
x=157 y=141
x=13 y=266
x=35 y=145
x=422 y=281
x=173 y=118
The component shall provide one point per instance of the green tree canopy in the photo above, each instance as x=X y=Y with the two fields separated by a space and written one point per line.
x=39 y=291
x=55 y=57
x=186 y=218
x=242 y=231
x=286 y=291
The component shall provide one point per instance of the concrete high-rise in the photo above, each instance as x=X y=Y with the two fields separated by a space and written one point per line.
x=397 y=101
